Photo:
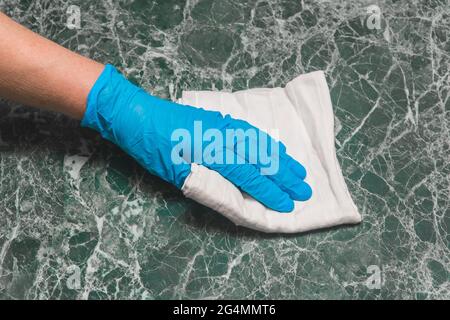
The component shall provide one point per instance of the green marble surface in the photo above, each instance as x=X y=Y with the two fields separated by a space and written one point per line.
x=74 y=207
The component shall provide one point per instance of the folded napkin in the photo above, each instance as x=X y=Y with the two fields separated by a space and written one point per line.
x=303 y=115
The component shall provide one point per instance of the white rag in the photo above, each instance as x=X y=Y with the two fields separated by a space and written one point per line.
x=303 y=115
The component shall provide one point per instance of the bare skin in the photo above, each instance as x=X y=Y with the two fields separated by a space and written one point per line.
x=38 y=72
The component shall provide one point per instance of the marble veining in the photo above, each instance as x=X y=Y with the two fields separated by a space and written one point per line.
x=79 y=219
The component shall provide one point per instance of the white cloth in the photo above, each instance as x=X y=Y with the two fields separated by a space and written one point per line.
x=303 y=114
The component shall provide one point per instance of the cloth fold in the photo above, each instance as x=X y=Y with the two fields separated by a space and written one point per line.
x=303 y=115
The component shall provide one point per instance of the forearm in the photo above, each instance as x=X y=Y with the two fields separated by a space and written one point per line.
x=38 y=72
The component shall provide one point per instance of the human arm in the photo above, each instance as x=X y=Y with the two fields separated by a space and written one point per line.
x=38 y=72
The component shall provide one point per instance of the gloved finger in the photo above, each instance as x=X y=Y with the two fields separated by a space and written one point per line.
x=292 y=184
x=296 y=167
x=248 y=178
x=254 y=138
x=273 y=161
x=296 y=188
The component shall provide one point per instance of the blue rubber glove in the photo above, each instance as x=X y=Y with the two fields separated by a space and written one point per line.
x=143 y=125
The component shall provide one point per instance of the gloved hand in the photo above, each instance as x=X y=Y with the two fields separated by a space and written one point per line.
x=143 y=125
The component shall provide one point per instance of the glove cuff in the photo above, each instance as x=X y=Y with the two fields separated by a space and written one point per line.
x=110 y=91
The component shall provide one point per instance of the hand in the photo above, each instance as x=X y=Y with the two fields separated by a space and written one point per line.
x=145 y=126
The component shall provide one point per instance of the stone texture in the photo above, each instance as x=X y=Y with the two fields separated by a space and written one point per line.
x=72 y=204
